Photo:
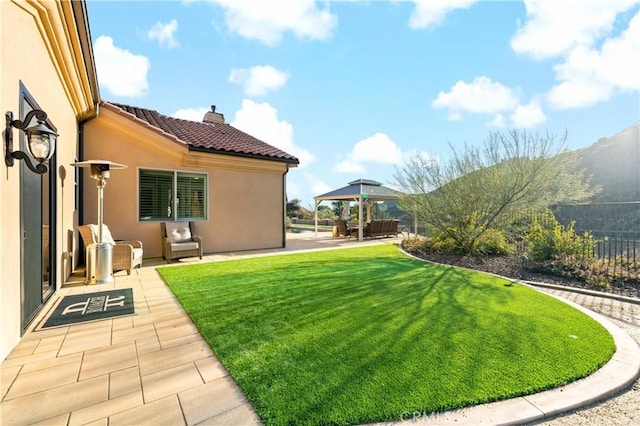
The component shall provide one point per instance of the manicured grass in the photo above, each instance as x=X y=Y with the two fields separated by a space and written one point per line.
x=367 y=334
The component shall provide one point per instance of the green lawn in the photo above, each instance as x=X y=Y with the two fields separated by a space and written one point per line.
x=367 y=334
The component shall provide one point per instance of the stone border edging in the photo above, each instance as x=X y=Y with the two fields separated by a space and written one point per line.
x=588 y=292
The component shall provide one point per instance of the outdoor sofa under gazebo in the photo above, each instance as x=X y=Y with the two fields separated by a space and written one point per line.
x=358 y=191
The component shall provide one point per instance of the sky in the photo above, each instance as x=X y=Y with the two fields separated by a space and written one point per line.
x=355 y=88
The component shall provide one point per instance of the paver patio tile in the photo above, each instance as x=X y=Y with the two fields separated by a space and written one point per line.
x=124 y=381
x=197 y=403
x=86 y=340
x=181 y=340
x=122 y=323
x=170 y=381
x=90 y=325
x=101 y=422
x=24 y=360
x=7 y=376
x=103 y=410
x=169 y=330
x=172 y=357
x=149 y=344
x=108 y=359
x=242 y=415
x=164 y=411
x=44 y=379
x=133 y=334
x=152 y=318
x=47 y=344
x=24 y=348
x=211 y=369
x=44 y=333
x=62 y=419
x=54 y=402
x=52 y=362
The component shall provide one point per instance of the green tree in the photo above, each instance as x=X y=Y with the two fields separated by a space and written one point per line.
x=477 y=187
x=325 y=212
x=294 y=209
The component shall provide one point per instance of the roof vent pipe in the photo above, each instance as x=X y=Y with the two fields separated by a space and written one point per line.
x=213 y=117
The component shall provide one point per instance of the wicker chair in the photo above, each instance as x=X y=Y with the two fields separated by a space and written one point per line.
x=179 y=240
x=126 y=254
x=342 y=229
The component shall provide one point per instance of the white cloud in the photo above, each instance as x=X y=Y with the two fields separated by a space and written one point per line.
x=259 y=80
x=429 y=13
x=121 y=72
x=267 y=23
x=528 y=116
x=498 y=121
x=193 y=114
x=480 y=96
x=261 y=121
x=590 y=75
x=554 y=27
x=376 y=149
x=164 y=34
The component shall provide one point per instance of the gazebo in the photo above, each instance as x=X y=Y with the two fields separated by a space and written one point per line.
x=359 y=191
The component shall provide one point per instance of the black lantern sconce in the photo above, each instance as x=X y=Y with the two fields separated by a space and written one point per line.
x=41 y=141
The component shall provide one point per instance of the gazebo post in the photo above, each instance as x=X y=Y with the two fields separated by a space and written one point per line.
x=360 y=218
x=316 y=215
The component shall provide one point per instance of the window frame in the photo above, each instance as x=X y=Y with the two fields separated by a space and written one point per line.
x=174 y=195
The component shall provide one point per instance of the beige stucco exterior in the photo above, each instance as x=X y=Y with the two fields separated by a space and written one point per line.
x=42 y=48
x=245 y=195
x=45 y=50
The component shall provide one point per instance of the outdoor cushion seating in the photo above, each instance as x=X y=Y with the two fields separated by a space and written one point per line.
x=342 y=228
x=379 y=228
x=179 y=240
x=126 y=255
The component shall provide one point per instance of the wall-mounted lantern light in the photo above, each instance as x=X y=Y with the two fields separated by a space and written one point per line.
x=41 y=141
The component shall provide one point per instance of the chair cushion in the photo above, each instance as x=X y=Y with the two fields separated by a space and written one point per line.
x=178 y=232
x=137 y=253
x=184 y=246
x=106 y=234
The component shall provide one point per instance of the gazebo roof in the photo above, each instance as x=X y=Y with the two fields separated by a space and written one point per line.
x=361 y=188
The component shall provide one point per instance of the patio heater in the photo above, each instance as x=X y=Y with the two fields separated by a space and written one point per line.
x=99 y=255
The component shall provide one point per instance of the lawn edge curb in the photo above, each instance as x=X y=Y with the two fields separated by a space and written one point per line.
x=588 y=292
x=618 y=374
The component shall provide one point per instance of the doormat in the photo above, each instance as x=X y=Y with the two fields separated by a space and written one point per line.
x=91 y=307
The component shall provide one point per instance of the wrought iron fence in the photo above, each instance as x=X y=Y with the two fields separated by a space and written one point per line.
x=616 y=228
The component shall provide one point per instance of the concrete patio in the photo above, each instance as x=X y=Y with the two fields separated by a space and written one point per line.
x=154 y=367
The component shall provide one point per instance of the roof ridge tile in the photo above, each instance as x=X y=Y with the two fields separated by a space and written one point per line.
x=219 y=138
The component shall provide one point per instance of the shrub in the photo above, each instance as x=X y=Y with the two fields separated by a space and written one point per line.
x=553 y=240
x=493 y=242
x=415 y=244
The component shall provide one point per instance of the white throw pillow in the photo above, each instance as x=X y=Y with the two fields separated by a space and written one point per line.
x=178 y=232
x=106 y=234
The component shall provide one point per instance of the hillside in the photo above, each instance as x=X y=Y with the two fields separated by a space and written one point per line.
x=614 y=163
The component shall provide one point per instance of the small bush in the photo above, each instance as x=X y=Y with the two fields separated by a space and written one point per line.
x=493 y=242
x=414 y=244
x=553 y=240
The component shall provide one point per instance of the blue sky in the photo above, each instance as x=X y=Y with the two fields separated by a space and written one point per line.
x=353 y=88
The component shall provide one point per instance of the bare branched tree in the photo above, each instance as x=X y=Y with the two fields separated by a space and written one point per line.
x=469 y=193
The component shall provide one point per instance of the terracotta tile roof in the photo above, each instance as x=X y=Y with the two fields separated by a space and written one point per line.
x=218 y=138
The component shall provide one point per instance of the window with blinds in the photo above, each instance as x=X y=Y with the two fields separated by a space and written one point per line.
x=167 y=195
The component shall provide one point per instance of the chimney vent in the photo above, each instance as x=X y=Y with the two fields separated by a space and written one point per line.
x=213 y=117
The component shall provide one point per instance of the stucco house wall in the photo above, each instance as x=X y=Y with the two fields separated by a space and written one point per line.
x=245 y=195
x=39 y=51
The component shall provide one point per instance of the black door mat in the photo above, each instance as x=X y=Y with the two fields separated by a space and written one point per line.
x=91 y=307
